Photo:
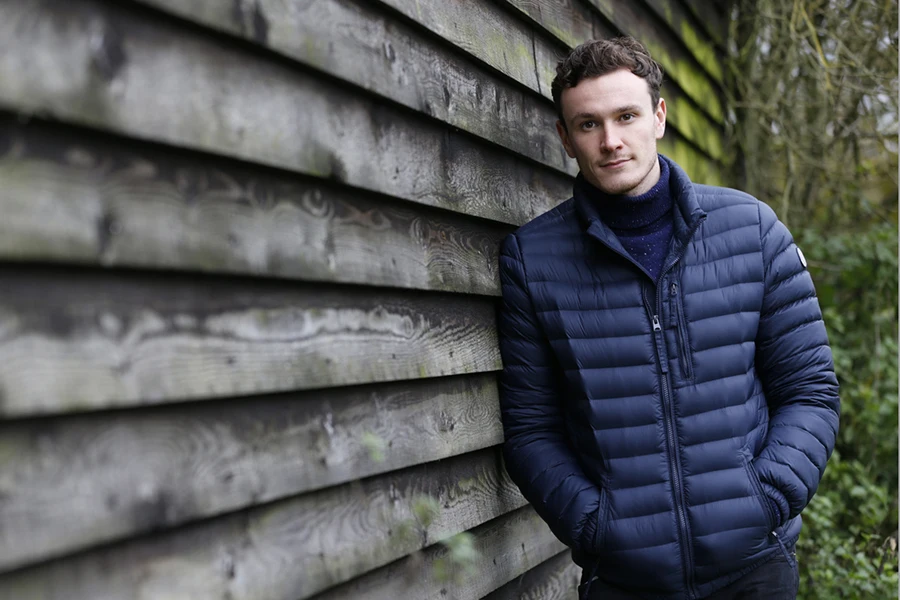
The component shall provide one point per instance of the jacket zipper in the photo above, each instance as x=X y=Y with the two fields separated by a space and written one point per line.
x=669 y=410
x=763 y=499
x=687 y=367
x=671 y=447
x=662 y=360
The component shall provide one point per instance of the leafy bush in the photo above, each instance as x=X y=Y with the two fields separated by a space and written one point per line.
x=813 y=120
x=848 y=548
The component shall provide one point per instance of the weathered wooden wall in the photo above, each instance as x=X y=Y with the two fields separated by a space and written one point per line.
x=248 y=280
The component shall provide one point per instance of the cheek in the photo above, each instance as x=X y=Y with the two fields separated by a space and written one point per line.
x=583 y=143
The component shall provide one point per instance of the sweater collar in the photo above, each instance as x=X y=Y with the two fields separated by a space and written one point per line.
x=686 y=215
x=629 y=212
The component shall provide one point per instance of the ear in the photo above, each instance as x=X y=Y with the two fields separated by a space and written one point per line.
x=564 y=137
x=660 y=116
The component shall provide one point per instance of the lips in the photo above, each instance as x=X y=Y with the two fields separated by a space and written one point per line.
x=614 y=163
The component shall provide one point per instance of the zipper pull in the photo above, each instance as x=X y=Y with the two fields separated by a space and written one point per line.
x=656 y=325
x=674 y=288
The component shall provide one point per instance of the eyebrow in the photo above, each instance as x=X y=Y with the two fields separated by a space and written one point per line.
x=622 y=109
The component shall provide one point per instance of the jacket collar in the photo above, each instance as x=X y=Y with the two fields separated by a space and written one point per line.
x=687 y=213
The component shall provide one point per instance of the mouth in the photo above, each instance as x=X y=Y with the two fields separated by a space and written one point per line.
x=614 y=164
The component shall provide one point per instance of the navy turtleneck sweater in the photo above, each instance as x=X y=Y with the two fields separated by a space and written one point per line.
x=642 y=223
x=644 y=226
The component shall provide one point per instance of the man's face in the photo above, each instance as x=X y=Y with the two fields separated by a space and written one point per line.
x=612 y=128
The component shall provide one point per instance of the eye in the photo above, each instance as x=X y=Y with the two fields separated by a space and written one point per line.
x=588 y=125
x=627 y=117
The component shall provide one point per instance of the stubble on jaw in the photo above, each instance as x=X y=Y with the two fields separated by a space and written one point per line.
x=627 y=186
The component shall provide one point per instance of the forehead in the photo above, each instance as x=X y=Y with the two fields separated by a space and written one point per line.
x=606 y=93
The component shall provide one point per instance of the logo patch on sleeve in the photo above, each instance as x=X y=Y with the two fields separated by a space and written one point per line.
x=802 y=258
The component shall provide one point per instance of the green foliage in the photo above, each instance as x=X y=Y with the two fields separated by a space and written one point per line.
x=459 y=557
x=460 y=560
x=425 y=509
x=848 y=549
x=374 y=446
x=845 y=551
x=812 y=85
x=813 y=93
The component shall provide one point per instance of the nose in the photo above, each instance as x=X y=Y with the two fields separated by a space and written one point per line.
x=611 y=139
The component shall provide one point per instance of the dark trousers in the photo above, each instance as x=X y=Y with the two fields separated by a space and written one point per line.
x=776 y=579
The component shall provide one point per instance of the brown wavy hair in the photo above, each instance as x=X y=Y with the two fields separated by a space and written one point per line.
x=599 y=57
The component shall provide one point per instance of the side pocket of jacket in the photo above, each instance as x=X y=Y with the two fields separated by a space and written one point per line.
x=602 y=518
x=684 y=349
x=760 y=495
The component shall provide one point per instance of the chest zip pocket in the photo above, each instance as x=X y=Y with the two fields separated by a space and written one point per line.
x=684 y=348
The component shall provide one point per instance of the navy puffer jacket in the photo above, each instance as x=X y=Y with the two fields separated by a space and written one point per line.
x=651 y=423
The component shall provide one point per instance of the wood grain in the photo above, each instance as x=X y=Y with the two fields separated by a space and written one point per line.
x=575 y=22
x=570 y=21
x=679 y=21
x=72 y=482
x=689 y=116
x=554 y=579
x=678 y=64
x=713 y=17
x=317 y=204
x=70 y=195
x=487 y=32
x=294 y=548
x=74 y=341
x=354 y=41
x=507 y=547
x=153 y=78
x=493 y=36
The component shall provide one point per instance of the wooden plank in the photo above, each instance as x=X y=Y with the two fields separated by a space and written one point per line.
x=294 y=548
x=574 y=22
x=71 y=195
x=693 y=126
x=361 y=144
x=492 y=35
x=76 y=341
x=500 y=41
x=153 y=78
x=569 y=21
x=69 y=483
x=695 y=165
x=355 y=42
x=677 y=63
x=678 y=19
x=554 y=579
x=348 y=40
x=506 y=548
x=713 y=17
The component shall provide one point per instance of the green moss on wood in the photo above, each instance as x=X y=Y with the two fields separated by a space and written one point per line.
x=698 y=167
x=695 y=41
x=690 y=78
x=694 y=125
x=703 y=52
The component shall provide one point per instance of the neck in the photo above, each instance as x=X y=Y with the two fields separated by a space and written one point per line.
x=622 y=212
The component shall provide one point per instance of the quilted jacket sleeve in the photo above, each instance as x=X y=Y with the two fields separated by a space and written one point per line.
x=538 y=457
x=795 y=364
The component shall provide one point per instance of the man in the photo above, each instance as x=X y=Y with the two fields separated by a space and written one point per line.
x=668 y=393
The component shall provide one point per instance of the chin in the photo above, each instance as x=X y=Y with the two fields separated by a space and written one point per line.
x=617 y=187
